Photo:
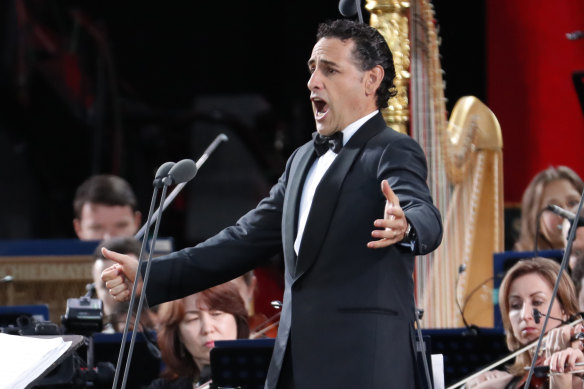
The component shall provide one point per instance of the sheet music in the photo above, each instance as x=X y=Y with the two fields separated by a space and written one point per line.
x=438 y=370
x=23 y=358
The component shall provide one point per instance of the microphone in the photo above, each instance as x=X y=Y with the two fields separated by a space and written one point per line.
x=575 y=35
x=350 y=8
x=347 y=8
x=183 y=171
x=537 y=315
x=565 y=214
x=161 y=173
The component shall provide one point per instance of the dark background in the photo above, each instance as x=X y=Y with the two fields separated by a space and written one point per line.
x=120 y=87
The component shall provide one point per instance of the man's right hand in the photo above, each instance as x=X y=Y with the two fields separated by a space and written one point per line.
x=119 y=278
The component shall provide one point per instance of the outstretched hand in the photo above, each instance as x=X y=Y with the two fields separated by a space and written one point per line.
x=120 y=277
x=392 y=228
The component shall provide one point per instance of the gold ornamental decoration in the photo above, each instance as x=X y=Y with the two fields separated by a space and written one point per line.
x=390 y=18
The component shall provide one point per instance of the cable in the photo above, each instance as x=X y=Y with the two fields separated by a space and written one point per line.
x=421 y=347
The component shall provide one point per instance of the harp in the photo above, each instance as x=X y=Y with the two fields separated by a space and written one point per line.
x=464 y=158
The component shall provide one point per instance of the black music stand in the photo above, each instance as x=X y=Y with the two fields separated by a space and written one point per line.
x=145 y=366
x=64 y=369
x=466 y=354
x=241 y=363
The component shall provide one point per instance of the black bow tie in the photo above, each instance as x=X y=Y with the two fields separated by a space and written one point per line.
x=322 y=143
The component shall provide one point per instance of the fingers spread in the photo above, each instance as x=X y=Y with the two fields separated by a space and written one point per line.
x=394 y=211
x=388 y=193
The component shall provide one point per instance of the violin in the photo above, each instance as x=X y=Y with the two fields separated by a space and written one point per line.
x=262 y=326
x=540 y=377
x=542 y=374
x=579 y=336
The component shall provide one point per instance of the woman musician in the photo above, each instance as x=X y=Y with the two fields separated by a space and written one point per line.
x=524 y=298
x=188 y=330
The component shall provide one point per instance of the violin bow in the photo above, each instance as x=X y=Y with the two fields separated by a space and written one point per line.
x=503 y=360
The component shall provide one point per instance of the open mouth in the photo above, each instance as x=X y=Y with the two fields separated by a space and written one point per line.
x=320 y=107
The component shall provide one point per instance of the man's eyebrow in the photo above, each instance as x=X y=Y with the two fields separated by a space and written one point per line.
x=325 y=61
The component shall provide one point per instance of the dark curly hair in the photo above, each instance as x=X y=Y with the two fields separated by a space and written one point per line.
x=371 y=50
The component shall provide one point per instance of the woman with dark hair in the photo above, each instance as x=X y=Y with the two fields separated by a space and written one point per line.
x=527 y=288
x=188 y=329
x=559 y=186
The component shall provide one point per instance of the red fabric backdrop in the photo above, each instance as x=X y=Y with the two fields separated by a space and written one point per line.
x=529 y=86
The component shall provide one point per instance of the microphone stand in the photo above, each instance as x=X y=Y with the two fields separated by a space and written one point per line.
x=134 y=288
x=166 y=183
x=565 y=261
x=208 y=151
x=359 y=12
x=161 y=179
x=168 y=174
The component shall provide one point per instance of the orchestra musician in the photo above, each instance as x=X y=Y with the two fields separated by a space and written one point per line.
x=526 y=287
x=349 y=245
x=559 y=186
x=106 y=209
x=188 y=330
x=105 y=206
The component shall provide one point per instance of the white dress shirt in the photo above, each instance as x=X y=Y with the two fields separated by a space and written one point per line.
x=315 y=174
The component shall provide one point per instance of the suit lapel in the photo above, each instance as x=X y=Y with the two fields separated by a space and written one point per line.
x=298 y=171
x=327 y=193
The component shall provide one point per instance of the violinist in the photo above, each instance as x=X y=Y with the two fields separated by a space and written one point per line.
x=188 y=330
x=527 y=288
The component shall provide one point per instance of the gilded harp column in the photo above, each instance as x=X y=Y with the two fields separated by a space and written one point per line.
x=390 y=18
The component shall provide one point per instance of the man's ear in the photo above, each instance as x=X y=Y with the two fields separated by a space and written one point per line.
x=373 y=78
x=77 y=227
x=138 y=220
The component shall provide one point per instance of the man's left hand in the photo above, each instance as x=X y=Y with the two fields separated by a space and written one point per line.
x=393 y=226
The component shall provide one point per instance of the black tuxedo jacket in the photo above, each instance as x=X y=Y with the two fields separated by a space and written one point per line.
x=348 y=310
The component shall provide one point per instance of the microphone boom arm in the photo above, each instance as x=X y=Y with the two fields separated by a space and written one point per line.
x=208 y=151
